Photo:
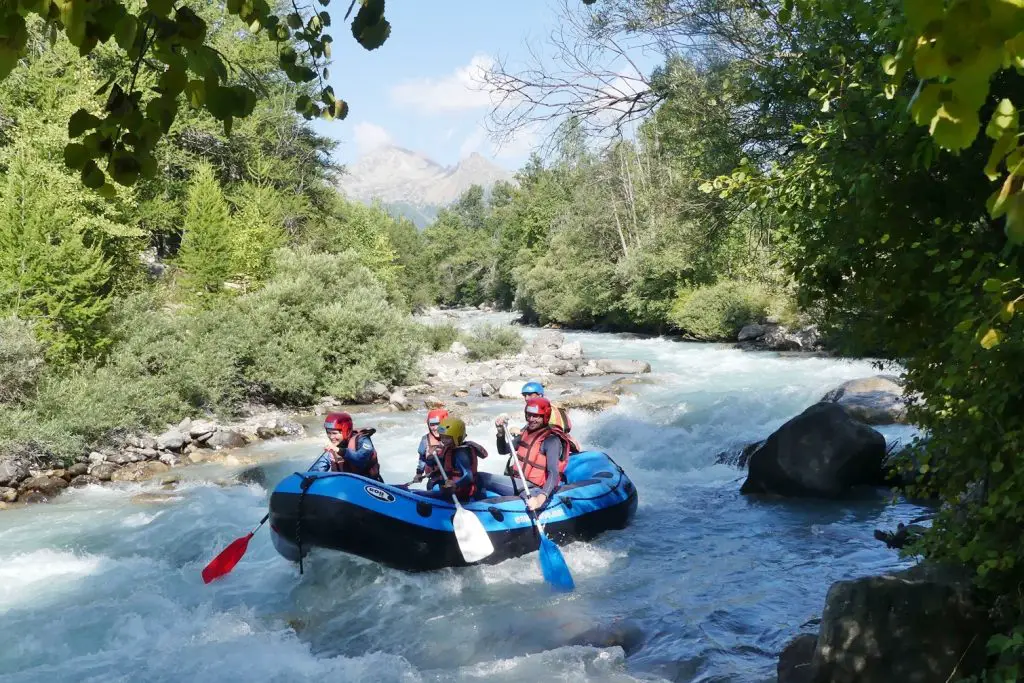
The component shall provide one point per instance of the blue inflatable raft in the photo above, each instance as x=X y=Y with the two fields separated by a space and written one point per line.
x=401 y=528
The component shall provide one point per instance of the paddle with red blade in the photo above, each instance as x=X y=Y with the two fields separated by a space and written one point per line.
x=229 y=557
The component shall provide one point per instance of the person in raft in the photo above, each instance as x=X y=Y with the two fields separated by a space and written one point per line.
x=559 y=419
x=350 y=449
x=430 y=445
x=458 y=459
x=543 y=452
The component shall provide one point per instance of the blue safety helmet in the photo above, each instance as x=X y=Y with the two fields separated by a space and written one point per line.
x=533 y=388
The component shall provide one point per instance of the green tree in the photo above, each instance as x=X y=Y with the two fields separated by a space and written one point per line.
x=55 y=257
x=207 y=245
x=169 y=47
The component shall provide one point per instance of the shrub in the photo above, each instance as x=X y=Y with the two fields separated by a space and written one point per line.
x=491 y=341
x=717 y=312
x=438 y=337
x=21 y=360
x=321 y=325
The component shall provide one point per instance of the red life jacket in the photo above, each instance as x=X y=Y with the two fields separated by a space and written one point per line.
x=532 y=458
x=433 y=448
x=451 y=470
x=373 y=469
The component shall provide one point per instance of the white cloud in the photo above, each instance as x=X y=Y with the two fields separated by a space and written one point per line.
x=370 y=136
x=460 y=90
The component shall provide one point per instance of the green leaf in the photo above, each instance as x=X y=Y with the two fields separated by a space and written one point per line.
x=76 y=155
x=92 y=176
x=992 y=285
x=294 y=20
x=955 y=125
x=1000 y=149
x=1004 y=119
x=191 y=27
x=125 y=31
x=991 y=338
x=80 y=122
x=925 y=103
x=997 y=466
x=889 y=65
x=124 y=169
x=997 y=202
x=369 y=27
x=1014 y=227
x=920 y=13
x=340 y=110
x=161 y=8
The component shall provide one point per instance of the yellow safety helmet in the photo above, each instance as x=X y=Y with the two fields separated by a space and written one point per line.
x=454 y=428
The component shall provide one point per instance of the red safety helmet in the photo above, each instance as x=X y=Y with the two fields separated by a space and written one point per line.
x=341 y=422
x=435 y=416
x=538 y=405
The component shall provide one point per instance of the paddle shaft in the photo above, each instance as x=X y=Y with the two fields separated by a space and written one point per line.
x=526 y=484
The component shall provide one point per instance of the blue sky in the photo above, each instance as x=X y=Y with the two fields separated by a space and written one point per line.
x=416 y=90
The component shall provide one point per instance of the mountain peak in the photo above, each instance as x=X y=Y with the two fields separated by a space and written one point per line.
x=395 y=174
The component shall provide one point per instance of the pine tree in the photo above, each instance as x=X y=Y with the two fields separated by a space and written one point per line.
x=52 y=272
x=257 y=231
x=207 y=253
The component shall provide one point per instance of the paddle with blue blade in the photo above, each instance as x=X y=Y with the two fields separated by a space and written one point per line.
x=474 y=543
x=552 y=563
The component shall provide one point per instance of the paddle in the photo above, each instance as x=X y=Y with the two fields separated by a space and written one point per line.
x=552 y=564
x=474 y=543
x=229 y=557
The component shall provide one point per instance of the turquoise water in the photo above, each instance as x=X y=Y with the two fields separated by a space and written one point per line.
x=708 y=585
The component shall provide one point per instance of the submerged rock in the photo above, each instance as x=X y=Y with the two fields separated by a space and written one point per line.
x=589 y=400
x=623 y=367
x=139 y=471
x=822 y=452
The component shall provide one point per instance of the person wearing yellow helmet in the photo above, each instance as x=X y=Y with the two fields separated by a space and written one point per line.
x=458 y=462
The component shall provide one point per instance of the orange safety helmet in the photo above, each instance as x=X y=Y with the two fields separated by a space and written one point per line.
x=435 y=416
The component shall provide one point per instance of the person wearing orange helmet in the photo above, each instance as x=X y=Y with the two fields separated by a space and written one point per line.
x=430 y=445
x=542 y=451
x=350 y=449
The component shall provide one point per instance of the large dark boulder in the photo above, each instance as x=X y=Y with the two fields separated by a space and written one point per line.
x=921 y=625
x=795 y=659
x=822 y=452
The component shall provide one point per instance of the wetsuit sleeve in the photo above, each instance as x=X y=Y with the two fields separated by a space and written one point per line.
x=321 y=464
x=360 y=457
x=422 y=450
x=463 y=463
x=552 y=449
x=503 y=447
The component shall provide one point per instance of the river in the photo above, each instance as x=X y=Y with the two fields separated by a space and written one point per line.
x=101 y=586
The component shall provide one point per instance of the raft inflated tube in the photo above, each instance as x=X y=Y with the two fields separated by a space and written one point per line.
x=406 y=530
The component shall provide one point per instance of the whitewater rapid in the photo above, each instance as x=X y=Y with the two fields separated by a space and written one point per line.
x=103 y=585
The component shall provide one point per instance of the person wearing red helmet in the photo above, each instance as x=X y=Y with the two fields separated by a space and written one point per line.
x=430 y=445
x=542 y=451
x=350 y=449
